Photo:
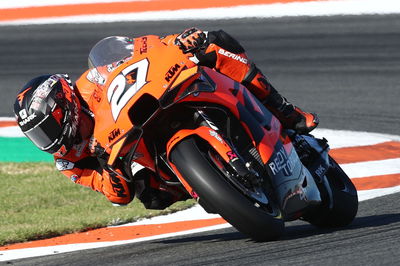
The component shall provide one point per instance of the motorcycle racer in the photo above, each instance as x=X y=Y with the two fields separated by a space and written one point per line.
x=220 y=51
x=58 y=117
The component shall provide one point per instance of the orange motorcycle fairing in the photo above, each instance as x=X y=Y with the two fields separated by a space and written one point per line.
x=129 y=81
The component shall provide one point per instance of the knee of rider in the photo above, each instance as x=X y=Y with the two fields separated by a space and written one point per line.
x=257 y=83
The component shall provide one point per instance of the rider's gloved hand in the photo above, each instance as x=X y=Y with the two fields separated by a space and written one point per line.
x=191 y=40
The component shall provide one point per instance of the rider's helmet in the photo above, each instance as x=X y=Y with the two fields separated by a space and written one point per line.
x=47 y=111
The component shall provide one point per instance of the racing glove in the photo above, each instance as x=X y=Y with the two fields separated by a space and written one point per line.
x=191 y=40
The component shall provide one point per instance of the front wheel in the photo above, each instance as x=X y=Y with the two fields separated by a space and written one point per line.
x=216 y=192
x=341 y=205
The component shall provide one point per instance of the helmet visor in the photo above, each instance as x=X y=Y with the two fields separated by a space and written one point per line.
x=41 y=136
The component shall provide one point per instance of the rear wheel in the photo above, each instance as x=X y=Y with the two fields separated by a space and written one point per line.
x=341 y=206
x=216 y=192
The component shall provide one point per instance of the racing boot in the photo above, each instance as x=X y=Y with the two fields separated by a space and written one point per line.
x=290 y=116
x=154 y=194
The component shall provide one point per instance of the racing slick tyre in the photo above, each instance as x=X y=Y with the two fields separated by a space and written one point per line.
x=217 y=193
x=345 y=201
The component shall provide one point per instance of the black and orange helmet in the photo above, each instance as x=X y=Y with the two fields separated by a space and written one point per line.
x=47 y=111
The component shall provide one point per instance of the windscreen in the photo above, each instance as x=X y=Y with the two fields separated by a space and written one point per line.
x=107 y=53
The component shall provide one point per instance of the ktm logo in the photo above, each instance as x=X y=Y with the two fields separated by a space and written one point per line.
x=113 y=134
x=171 y=72
x=117 y=186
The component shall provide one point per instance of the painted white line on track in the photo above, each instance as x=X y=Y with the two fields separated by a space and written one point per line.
x=44 y=251
x=11 y=132
x=372 y=168
x=314 y=8
x=29 y=3
x=194 y=213
x=375 y=193
x=347 y=138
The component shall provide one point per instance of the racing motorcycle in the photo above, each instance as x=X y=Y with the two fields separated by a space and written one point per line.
x=201 y=130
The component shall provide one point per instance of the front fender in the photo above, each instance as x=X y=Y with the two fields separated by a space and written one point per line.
x=209 y=135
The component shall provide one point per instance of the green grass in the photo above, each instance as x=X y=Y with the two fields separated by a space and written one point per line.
x=37 y=202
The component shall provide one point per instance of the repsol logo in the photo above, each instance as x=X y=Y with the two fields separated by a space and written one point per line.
x=283 y=162
x=233 y=56
x=171 y=72
x=113 y=134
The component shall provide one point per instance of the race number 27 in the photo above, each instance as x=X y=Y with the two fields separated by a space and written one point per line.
x=126 y=84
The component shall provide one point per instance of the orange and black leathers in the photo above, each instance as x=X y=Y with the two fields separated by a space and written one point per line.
x=86 y=169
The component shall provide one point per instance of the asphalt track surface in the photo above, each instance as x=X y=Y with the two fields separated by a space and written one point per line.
x=345 y=68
